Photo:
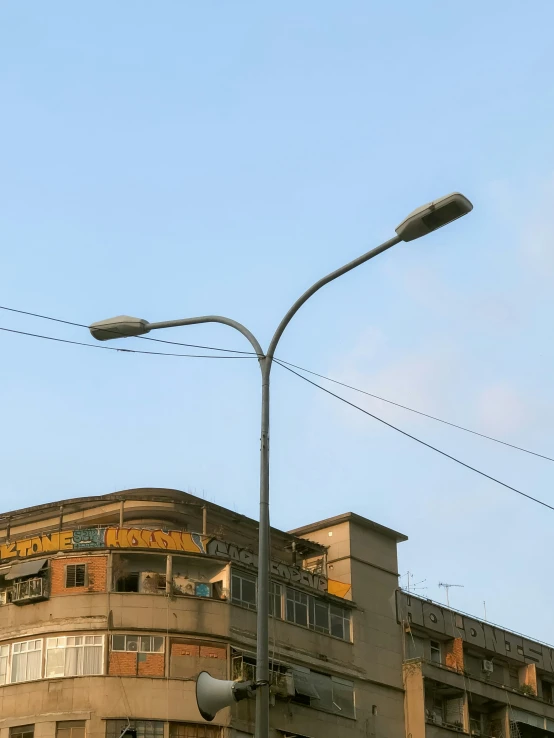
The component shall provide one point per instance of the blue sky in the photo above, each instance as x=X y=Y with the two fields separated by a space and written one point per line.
x=176 y=159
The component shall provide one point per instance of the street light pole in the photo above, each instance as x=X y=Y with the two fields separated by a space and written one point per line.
x=419 y=223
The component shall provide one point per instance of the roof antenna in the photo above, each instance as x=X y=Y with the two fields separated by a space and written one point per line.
x=447 y=587
x=413 y=587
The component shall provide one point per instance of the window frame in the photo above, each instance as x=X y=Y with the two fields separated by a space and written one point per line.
x=240 y=576
x=66 y=646
x=20 y=732
x=435 y=650
x=345 y=615
x=294 y=602
x=5 y=659
x=27 y=651
x=137 y=725
x=138 y=639
x=76 y=567
x=276 y=592
x=64 y=727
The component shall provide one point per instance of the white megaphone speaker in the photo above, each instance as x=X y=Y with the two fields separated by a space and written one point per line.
x=212 y=695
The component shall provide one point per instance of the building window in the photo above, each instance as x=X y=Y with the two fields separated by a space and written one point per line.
x=243 y=590
x=138 y=643
x=340 y=622
x=190 y=730
x=143 y=728
x=26 y=661
x=436 y=652
x=74 y=656
x=76 y=575
x=324 y=692
x=319 y=615
x=22 y=731
x=128 y=582
x=4 y=656
x=71 y=729
x=276 y=599
x=297 y=607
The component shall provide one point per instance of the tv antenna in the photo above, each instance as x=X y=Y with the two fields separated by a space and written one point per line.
x=411 y=586
x=447 y=588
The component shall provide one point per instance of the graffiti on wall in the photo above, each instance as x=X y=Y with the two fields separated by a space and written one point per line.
x=90 y=538
x=292 y=573
x=156 y=540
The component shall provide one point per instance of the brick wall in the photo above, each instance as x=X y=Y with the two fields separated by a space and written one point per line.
x=131 y=663
x=454 y=654
x=123 y=663
x=96 y=574
x=190 y=658
x=151 y=664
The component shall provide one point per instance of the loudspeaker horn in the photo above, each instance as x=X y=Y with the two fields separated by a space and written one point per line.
x=212 y=695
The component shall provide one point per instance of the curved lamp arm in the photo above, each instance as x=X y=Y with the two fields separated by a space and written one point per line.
x=213 y=319
x=321 y=283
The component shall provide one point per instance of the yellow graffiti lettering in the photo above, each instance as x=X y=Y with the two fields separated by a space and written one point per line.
x=23 y=547
x=7 y=551
x=66 y=540
x=139 y=538
x=50 y=542
x=176 y=538
x=117 y=538
x=163 y=540
x=36 y=545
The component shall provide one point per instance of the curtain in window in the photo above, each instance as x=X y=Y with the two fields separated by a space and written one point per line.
x=4 y=653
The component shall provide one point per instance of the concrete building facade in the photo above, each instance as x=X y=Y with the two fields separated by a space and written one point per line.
x=110 y=606
x=465 y=675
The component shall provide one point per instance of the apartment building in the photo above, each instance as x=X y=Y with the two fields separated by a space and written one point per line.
x=110 y=606
x=465 y=675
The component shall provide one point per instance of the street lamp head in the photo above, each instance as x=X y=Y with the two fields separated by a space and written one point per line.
x=121 y=327
x=434 y=215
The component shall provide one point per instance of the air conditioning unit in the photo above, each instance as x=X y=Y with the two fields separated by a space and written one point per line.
x=487 y=666
x=282 y=684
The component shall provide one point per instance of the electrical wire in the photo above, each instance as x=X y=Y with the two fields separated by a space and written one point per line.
x=118 y=335
x=414 y=438
x=418 y=412
x=123 y=350
x=288 y=363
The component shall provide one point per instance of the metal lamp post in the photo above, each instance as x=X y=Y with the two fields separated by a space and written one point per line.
x=419 y=223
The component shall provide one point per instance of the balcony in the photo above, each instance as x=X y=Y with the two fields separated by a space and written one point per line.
x=29 y=590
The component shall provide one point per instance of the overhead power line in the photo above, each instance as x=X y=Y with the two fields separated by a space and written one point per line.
x=418 y=412
x=118 y=335
x=414 y=438
x=288 y=363
x=123 y=350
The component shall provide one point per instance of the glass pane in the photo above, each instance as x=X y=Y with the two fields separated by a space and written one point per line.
x=145 y=644
x=248 y=591
x=343 y=697
x=131 y=643
x=158 y=645
x=55 y=662
x=118 y=643
x=321 y=615
x=301 y=614
x=324 y=688
x=235 y=588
